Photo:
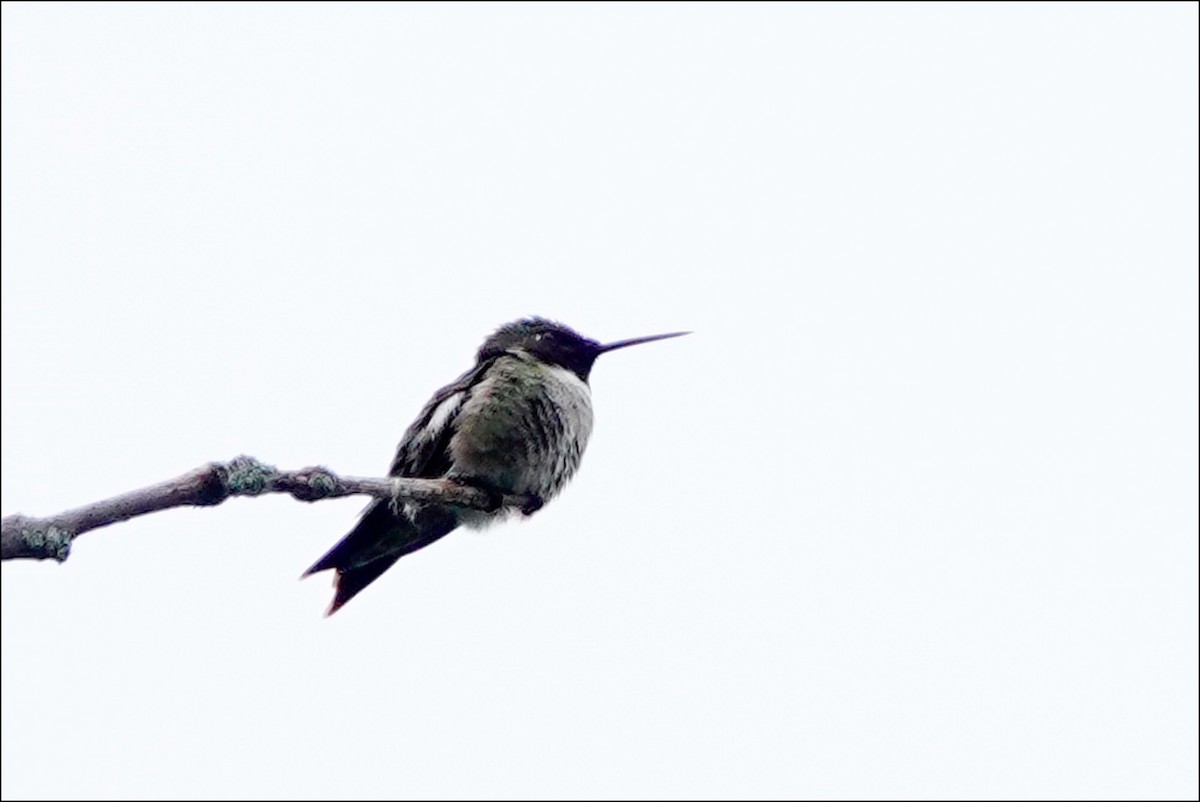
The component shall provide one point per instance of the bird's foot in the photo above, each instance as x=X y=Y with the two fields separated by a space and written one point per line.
x=534 y=504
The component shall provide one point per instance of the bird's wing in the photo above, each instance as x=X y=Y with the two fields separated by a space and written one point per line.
x=381 y=536
x=424 y=450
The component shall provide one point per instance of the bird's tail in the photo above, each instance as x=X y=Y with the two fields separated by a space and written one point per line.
x=379 y=539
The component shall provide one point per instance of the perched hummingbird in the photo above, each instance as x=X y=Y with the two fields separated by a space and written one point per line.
x=515 y=423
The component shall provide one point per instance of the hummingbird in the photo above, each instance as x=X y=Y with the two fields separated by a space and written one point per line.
x=516 y=423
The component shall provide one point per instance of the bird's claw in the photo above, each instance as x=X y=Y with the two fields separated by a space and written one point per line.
x=534 y=504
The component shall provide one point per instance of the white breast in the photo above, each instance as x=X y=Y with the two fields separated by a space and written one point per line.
x=524 y=428
x=572 y=395
x=566 y=417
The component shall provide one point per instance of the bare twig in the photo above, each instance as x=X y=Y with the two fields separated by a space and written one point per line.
x=22 y=537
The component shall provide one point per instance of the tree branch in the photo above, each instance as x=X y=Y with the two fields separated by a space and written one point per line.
x=50 y=538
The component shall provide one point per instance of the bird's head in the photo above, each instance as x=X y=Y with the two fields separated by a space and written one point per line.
x=555 y=344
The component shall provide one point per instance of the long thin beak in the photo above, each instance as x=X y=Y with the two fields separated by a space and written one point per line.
x=639 y=340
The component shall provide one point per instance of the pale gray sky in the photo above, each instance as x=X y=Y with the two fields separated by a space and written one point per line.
x=913 y=512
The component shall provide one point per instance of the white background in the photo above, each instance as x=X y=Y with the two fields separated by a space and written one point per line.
x=912 y=513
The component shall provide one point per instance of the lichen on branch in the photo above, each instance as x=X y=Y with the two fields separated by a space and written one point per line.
x=50 y=538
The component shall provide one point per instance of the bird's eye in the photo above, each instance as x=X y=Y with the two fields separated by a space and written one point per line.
x=538 y=336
